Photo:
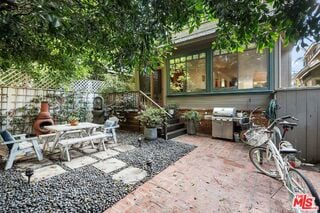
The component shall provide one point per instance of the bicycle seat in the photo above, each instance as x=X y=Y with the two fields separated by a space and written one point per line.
x=288 y=150
x=286 y=124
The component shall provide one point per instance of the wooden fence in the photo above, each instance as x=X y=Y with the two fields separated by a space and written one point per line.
x=20 y=106
x=303 y=103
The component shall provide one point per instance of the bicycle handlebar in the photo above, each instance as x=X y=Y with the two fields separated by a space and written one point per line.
x=270 y=127
x=253 y=111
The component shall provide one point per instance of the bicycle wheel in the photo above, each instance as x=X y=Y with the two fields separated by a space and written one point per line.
x=264 y=163
x=299 y=184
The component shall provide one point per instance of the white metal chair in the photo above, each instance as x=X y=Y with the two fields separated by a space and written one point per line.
x=110 y=127
x=21 y=146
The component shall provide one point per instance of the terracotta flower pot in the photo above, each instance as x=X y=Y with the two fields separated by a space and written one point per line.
x=74 y=122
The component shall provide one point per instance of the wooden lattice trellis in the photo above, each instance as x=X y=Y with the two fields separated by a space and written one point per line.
x=14 y=78
x=20 y=94
x=19 y=106
x=88 y=85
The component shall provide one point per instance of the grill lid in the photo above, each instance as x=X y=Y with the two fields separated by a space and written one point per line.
x=224 y=111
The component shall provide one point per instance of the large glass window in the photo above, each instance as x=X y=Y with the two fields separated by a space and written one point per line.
x=253 y=69
x=188 y=73
x=245 y=70
x=225 y=71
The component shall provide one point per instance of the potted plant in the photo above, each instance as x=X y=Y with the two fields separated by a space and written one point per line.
x=192 y=117
x=73 y=120
x=152 y=118
x=172 y=109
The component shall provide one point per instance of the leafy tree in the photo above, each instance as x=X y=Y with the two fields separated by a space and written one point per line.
x=75 y=38
x=242 y=22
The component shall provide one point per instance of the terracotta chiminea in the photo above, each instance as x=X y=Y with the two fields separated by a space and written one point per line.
x=43 y=119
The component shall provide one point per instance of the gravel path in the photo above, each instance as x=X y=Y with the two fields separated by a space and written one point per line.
x=87 y=189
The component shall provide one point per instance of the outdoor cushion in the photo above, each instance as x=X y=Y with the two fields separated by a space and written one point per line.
x=6 y=136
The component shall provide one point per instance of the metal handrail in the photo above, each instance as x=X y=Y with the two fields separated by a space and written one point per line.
x=154 y=103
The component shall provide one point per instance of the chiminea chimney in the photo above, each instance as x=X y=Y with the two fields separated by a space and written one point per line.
x=43 y=119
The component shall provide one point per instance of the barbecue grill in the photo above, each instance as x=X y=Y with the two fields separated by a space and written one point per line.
x=223 y=119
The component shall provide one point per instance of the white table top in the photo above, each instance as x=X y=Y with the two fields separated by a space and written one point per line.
x=68 y=127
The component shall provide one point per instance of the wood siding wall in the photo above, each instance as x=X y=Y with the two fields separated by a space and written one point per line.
x=305 y=105
x=239 y=101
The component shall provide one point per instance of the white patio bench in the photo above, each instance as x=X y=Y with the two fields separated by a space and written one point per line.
x=47 y=140
x=65 y=144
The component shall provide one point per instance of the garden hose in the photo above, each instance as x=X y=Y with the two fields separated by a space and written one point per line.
x=271 y=111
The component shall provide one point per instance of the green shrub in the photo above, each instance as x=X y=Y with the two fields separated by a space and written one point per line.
x=152 y=117
x=191 y=116
x=73 y=118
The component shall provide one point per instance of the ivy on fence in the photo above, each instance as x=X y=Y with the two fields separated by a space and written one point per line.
x=21 y=106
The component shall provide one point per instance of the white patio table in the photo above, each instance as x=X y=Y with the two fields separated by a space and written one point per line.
x=61 y=130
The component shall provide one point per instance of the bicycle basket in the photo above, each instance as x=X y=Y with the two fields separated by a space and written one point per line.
x=245 y=126
x=256 y=136
x=245 y=123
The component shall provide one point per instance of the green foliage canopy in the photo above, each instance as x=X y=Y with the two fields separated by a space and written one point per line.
x=71 y=38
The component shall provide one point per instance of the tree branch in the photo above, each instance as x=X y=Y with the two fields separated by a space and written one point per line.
x=8 y=5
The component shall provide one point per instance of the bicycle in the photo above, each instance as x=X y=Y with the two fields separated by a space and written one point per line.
x=264 y=157
x=253 y=134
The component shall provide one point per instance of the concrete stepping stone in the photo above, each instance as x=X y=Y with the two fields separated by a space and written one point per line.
x=45 y=173
x=110 y=145
x=80 y=162
x=130 y=175
x=88 y=149
x=110 y=165
x=124 y=148
x=32 y=163
x=105 y=154
x=73 y=154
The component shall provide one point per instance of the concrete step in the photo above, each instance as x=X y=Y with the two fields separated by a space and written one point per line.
x=175 y=126
x=176 y=133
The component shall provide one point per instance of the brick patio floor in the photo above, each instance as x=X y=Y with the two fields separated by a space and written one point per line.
x=215 y=177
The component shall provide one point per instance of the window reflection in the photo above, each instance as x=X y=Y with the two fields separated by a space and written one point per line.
x=300 y=66
x=188 y=73
x=177 y=77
